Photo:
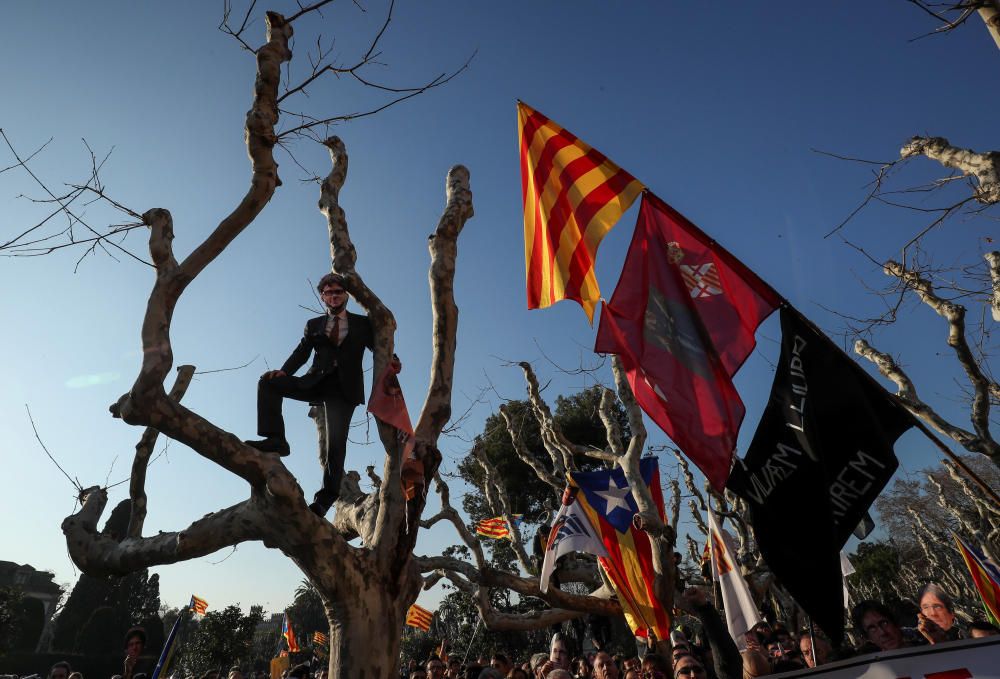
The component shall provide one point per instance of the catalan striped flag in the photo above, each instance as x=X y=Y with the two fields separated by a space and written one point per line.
x=985 y=575
x=497 y=527
x=198 y=605
x=289 y=633
x=607 y=500
x=573 y=195
x=320 y=638
x=419 y=617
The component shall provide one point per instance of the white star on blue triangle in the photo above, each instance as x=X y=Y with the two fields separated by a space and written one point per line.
x=609 y=494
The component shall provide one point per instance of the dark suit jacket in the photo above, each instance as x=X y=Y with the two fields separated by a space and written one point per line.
x=344 y=361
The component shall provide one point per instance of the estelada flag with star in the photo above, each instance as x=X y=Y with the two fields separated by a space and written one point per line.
x=606 y=499
x=682 y=319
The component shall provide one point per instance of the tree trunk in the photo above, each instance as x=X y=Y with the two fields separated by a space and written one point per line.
x=365 y=634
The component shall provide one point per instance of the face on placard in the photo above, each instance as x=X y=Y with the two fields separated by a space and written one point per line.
x=334 y=295
x=935 y=609
x=559 y=653
x=881 y=631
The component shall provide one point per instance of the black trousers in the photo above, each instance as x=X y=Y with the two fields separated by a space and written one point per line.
x=336 y=413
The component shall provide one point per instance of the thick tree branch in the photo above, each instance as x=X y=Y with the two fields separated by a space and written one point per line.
x=97 y=554
x=443 y=246
x=984 y=167
x=143 y=451
x=993 y=261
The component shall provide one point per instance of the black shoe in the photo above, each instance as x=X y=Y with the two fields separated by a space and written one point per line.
x=272 y=444
x=318 y=509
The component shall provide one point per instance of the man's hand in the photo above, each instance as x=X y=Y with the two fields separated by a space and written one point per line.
x=930 y=629
x=129 y=665
x=691 y=598
x=549 y=665
x=272 y=373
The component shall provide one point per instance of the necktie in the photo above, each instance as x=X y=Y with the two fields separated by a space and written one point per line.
x=335 y=331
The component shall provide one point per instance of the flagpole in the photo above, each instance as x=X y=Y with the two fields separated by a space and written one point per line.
x=812 y=641
x=474 y=633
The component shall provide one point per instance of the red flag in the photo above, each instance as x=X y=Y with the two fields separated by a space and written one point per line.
x=683 y=319
x=388 y=405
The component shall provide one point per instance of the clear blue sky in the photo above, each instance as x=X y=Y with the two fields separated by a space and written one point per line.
x=714 y=106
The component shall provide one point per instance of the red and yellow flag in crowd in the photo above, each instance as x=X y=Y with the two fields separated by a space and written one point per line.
x=419 y=617
x=289 y=634
x=606 y=499
x=573 y=195
x=985 y=576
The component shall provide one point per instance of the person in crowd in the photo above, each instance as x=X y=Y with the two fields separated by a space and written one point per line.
x=604 y=666
x=135 y=644
x=936 y=620
x=518 y=673
x=728 y=662
x=689 y=666
x=824 y=651
x=235 y=673
x=491 y=673
x=61 y=670
x=75 y=675
x=454 y=668
x=418 y=673
x=581 y=668
x=435 y=668
x=656 y=666
x=501 y=663
x=559 y=673
x=878 y=625
x=980 y=628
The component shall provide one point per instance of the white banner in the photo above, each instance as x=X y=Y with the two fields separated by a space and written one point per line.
x=964 y=659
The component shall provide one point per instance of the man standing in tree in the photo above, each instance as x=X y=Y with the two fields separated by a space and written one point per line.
x=334 y=382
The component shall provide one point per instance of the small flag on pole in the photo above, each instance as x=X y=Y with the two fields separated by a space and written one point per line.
x=198 y=605
x=289 y=634
x=320 y=638
x=419 y=617
x=573 y=195
x=497 y=527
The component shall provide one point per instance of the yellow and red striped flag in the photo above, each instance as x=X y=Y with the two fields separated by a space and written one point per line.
x=419 y=617
x=320 y=638
x=573 y=195
x=198 y=605
x=985 y=576
x=497 y=527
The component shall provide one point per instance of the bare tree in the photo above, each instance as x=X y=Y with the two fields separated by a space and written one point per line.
x=478 y=578
x=365 y=589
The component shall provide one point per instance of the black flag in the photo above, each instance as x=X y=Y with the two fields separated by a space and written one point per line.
x=821 y=454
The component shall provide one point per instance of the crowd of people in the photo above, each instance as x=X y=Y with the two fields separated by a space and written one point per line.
x=712 y=653
x=708 y=653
